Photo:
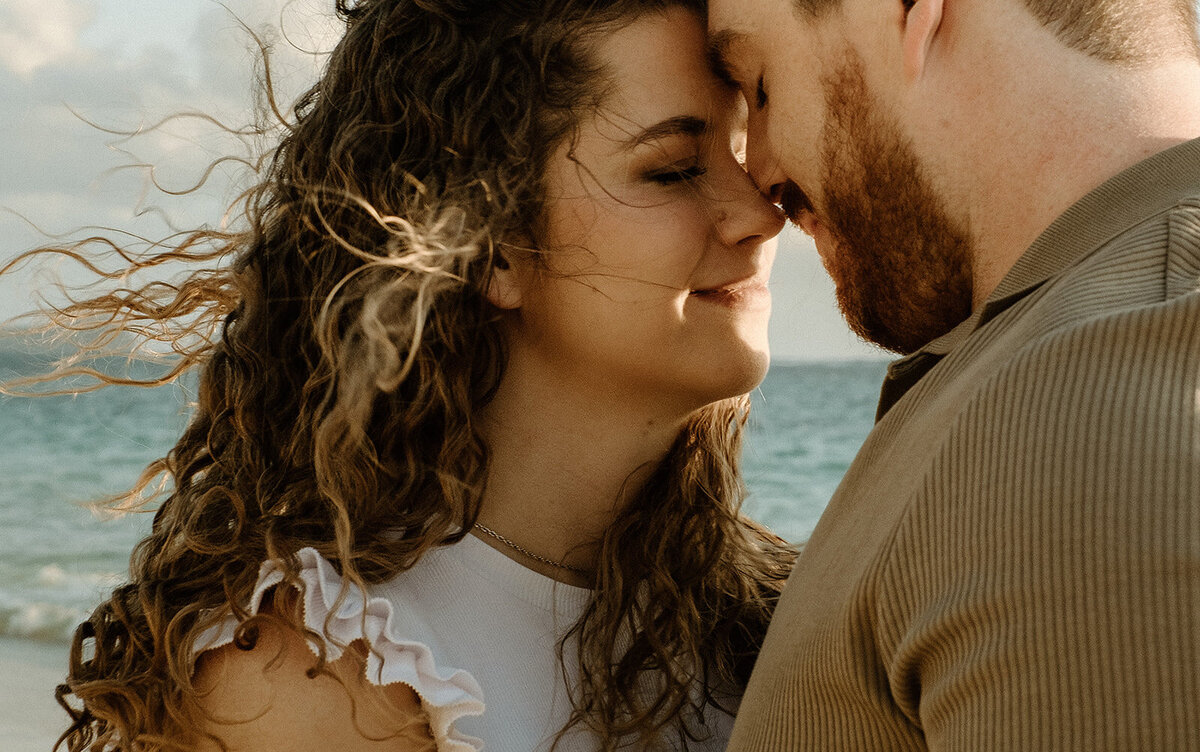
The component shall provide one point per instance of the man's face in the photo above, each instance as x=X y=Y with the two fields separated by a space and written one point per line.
x=838 y=162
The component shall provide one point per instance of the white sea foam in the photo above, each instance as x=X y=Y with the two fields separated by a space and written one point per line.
x=55 y=576
x=51 y=602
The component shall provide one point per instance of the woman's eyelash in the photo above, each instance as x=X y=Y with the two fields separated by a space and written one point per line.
x=760 y=96
x=669 y=177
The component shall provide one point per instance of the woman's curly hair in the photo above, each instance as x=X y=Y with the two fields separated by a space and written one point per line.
x=344 y=346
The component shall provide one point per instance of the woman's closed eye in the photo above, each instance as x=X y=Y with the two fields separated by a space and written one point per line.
x=677 y=174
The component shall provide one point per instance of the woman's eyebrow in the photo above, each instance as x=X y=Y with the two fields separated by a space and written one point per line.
x=685 y=125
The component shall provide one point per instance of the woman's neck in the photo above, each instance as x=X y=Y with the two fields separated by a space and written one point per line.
x=563 y=458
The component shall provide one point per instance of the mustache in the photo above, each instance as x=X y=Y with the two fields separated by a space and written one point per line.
x=794 y=201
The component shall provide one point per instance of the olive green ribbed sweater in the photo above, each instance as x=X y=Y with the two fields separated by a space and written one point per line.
x=1012 y=561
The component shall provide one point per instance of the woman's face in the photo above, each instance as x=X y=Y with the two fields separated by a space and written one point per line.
x=656 y=245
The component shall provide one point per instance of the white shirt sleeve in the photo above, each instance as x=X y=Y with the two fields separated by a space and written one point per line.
x=446 y=693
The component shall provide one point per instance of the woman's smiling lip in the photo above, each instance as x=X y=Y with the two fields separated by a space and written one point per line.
x=739 y=292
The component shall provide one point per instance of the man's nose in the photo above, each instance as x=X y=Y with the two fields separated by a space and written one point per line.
x=762 y=163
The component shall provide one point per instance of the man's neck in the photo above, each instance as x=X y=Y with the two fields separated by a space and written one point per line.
x=1032 y=127
x=1079 y=150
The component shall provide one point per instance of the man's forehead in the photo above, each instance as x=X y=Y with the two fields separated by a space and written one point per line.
x=728 y=17
x=737 y=27
x=750 y=23
x=740 y=31
x=724 y=40
x=744 y=17
x=723 y=45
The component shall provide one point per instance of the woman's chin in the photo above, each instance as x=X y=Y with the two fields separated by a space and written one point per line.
x=757 y=364
x=742 y=373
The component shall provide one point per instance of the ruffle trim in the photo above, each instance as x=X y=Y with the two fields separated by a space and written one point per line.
x=446 y=695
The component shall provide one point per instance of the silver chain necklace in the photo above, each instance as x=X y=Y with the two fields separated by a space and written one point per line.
x=527 y=552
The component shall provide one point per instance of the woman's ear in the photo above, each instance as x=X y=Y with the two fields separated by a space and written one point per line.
x=506 y=285
x=923 y=19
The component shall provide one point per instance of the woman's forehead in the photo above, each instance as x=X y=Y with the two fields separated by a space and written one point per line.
x=659 y=76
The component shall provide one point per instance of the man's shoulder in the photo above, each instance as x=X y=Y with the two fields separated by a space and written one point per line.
x=1107 y=397
x=1115 y=357
x=1166 y=243
x=1095 y=422
x=1182 y=267
x=1146 y=264
x=1126 y=317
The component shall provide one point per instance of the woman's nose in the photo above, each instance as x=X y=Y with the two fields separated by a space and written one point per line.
x=746 y=215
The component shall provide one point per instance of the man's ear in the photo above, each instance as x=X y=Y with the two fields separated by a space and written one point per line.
x=506 y=285
x=923 y=19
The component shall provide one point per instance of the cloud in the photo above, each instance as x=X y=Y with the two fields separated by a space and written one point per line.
x=36 y=33
x=135 y=67
x=126 y=66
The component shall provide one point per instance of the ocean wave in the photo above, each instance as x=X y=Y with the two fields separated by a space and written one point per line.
x=48 y=603
x=41 y=621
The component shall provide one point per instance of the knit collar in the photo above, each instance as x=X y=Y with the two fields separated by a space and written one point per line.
x=1150 y=187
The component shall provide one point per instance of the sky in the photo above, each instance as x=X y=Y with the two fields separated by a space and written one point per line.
x=126 y=64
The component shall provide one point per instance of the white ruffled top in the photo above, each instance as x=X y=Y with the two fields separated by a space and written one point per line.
x=465 y=625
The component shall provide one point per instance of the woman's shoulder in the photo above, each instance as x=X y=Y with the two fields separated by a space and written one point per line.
x=270 y=698
x=370 y=637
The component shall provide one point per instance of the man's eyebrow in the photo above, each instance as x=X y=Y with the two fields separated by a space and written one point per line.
x=685 y=125
x=718 y=54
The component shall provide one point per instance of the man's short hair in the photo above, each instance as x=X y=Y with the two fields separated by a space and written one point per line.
x=1128 y=31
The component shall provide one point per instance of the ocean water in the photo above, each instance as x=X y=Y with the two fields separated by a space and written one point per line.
x=58 y=558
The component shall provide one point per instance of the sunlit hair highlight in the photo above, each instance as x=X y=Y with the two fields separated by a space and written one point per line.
x=344 y=346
